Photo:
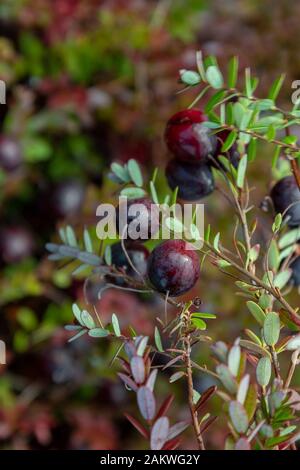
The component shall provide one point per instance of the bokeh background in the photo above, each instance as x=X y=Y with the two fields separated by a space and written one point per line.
x=90 y=82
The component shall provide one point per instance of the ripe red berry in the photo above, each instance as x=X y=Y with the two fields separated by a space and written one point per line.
x=286 y=197
x=194 y=181
x=16 y=243
x=173 y=267
x=188 y=139
x=138 y=255
x=137 y=219
x=10 y=154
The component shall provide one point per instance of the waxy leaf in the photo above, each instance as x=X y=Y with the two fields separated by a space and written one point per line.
x=271 y=328
x=146 y=402
x=238 y=417
x=263 y=371
x=159 y=433
x=138 y=369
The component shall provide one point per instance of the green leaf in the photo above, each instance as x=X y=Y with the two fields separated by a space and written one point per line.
x=275 y=88
x=121 y=172
x=233 y=72
x=87 y=241
x=214 y=100
x=176 y=376
x=107 y=255
x=157 y=339
x=210 y=316
x=216 y=242
x=115 y=324
x=230 y=140
x=214 y=76
x=271 y=328
x=282 y=278
x=289 y=238
x=87 y=320
x=241 y=171
x=293 y=343
x=256 y=311
x=71 y=237
x=81 y=333
x=277 y=223
x=98 y=333
x=133 y=193
x=227 y=378
x=238 y=416
x=189 y=77
x=273 y=256
x=263 y=371
x=250 y=402
x=199 y=324
x=153 y=192
x=234 y=358
x=77 y=313
x=135 y=172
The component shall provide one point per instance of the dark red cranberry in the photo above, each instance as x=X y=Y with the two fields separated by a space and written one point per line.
x=295 y=267
x=188 y=139
x=173 y=267
x=10 y=154
x=138 y=255
x=194 y=181
x=16 y=243
x=285 y=194
x=137 y=219
x=67 y=198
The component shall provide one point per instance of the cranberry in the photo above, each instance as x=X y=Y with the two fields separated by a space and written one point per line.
x=193 y=181
x=67 y=198
x=137 y=219
x=16 y=243
x=285 y=194
x=10 y=154
x=173 y=267
x=188 y=139
x=138 y=255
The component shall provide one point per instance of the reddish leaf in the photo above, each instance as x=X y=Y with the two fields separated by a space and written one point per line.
x=165 y=406
x=125 y=365
x=171 y=445
x=137 y=425
x=205 y=396
x=128 y=381
x=208 y=423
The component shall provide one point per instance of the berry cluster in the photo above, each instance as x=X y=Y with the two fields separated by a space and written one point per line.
x=195 y=149
x=172 y=267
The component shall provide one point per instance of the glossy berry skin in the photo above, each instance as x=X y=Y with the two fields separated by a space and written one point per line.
x=173 y=268
x=138 y=255
x=295 y=267
x=16 y=243
x=67 y=198
x=188 y=139
x=140 y=222
x=194 y=181
x=283 y=194
x=10 y=154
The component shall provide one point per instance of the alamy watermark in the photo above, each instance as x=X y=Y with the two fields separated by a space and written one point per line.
x=296 y=94
x=2 y=92
x=136 y=221
x=2 y=352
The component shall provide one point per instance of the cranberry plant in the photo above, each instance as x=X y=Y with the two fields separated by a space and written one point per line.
x=219 y=143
